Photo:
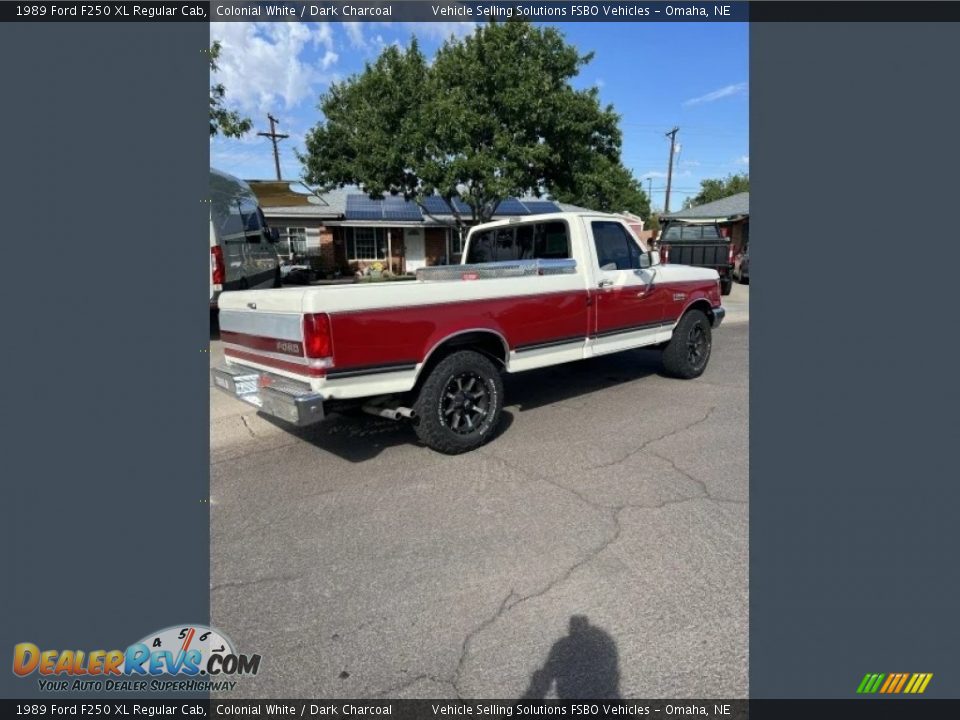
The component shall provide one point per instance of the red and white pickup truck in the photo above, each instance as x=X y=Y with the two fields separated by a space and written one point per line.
x=531 y=292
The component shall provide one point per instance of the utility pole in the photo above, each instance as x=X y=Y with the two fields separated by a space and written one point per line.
x=650 y=191
x=673 y=143
x=274 y=136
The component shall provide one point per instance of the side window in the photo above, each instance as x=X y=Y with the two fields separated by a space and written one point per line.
x=226 y=216
x=615 y=246
x=252 y=224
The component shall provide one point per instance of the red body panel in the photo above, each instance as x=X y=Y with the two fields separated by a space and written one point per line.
x=399 y=335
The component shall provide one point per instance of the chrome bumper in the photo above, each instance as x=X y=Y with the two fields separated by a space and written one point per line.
x=273 y=395
x=718 y=314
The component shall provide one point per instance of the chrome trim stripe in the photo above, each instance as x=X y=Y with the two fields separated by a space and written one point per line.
x=306 y=362
x=282 y=326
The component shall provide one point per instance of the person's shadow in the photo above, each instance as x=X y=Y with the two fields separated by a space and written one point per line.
x=583 y=664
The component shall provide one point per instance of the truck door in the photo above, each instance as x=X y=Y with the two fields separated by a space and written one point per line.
x=628 y=304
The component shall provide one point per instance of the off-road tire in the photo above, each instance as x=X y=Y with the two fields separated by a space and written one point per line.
x=455 y=415
x=726 y=286
x=688 y=352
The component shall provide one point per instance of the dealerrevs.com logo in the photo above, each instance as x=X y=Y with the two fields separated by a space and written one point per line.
x=178 y=658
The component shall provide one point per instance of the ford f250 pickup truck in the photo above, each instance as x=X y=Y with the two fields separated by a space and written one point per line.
x=530 y=292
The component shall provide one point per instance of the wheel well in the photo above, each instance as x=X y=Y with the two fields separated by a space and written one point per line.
x=486 y=342
x=703 y=306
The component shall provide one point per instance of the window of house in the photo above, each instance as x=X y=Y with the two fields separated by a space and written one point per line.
x=365 y=243
x=521 y=242
x=297 y=240
x=615 y=246
x=457 y=241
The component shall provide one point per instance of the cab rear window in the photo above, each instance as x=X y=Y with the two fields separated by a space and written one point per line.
x=691 y=233
x=543 y=241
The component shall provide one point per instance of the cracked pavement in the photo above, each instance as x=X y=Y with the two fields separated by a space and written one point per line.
x=360 y=564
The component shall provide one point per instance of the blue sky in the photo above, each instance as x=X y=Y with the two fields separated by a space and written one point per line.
x=656 y=75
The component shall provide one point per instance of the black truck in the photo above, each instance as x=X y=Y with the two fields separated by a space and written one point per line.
x=702 y=244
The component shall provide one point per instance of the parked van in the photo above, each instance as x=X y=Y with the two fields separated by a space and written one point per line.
x=243 y=254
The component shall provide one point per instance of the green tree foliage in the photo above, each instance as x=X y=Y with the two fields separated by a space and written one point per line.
x=607 y=186
x=493 y=116
x=223 y=121
x=715 y=189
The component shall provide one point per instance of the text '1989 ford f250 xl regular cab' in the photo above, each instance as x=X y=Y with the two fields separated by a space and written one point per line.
x=531 y=292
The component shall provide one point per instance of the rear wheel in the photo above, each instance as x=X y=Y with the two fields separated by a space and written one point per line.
x=726 y=285
x=688 y=352
x=460 y=402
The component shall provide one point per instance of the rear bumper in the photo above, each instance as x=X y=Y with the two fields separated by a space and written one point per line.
x=719 y=313
x=278 y=397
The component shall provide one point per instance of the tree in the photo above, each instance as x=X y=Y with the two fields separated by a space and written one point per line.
x=607 y=186
x=223 y=121
x=714 y=189
x=493 y=116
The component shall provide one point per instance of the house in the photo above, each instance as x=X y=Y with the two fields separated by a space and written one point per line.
x=732 y=213
x=347 y=231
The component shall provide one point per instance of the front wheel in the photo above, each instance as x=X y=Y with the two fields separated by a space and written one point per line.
x=688 y=351
x=459 y=405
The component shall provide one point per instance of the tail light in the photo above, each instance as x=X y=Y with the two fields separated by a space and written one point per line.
x=730 y=256
x=217 y=271
x=316 y=335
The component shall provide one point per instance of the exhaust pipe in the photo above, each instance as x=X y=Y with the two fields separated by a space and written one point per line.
x=391 y=413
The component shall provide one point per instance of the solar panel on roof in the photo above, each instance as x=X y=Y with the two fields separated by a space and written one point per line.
x=541 y=206
x=398 y=208
x=436 y=205
x=360 y=207
x=511 y=206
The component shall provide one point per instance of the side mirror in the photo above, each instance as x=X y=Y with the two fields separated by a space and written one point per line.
x=649 y=259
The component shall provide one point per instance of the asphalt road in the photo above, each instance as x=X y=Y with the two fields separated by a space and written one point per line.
x=598 y=545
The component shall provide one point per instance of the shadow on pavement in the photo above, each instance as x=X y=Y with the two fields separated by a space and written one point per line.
x=582 y=665
x=537 y=388
x=357 y=437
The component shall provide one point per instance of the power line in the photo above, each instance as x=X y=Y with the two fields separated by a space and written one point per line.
x=673 y=144
x=274 y=136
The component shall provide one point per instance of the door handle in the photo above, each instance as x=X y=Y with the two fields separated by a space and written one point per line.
x=605 y=283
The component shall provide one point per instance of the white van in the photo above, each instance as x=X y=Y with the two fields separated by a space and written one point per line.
x=243 y=254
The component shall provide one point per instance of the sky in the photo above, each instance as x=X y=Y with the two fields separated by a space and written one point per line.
x=656 y=75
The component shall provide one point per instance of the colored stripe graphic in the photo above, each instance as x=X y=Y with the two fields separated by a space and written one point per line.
x=894 y=683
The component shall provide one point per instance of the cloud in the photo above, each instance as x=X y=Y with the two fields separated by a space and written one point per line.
x=726 y=91
x=265 y=65
x=434 y=31
x=354 y=32
x=743 y=160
